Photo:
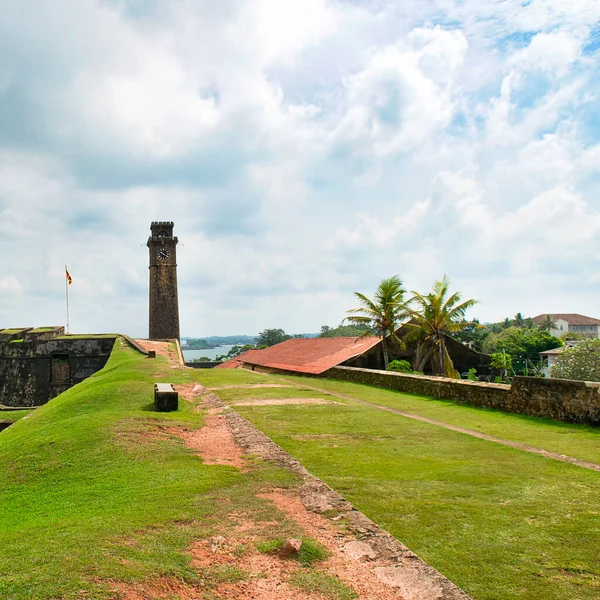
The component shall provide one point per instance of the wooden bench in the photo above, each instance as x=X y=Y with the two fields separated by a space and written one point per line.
x=166 y=399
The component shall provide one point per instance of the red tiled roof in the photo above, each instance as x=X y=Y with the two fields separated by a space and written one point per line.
x=310 y=355
x=570 y=318
x=236 y=362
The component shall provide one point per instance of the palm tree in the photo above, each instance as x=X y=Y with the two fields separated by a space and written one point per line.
x=382 y=314
x=547 y=324
x=519 y=320
x=435 y=316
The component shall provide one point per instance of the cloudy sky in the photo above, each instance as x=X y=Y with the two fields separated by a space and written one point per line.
x=305 y=149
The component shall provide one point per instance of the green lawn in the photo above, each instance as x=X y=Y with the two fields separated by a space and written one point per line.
x=499 y=522
x=218 y=377
x=266 y=393
x=93 y=491
x=580 y=441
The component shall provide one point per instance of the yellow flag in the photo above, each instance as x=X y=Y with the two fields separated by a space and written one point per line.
x=69 y=278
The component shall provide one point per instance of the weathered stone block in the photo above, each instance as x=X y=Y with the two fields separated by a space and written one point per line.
x=166 y=399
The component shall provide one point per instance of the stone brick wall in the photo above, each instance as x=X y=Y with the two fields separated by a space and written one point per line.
x=34 y=371
x=574 y=401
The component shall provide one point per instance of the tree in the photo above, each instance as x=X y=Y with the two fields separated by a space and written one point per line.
x=236 y=351
x=270 y=337
x=548 y=324
x=517 y=341
x=383 y=314
x=437 y=314
x=344 y=331
x=473 y=335
x=519 y=320
x=202 y=359
x=502 y=361
x=582 y=362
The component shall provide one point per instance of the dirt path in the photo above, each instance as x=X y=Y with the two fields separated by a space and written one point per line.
x=166 y=349
x=248 y=386
x=278 y=401
x=482 y=436
x=362 y=556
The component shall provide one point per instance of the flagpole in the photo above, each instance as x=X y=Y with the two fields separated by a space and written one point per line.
x=67 y=295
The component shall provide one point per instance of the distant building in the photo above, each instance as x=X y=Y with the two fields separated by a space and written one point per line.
x=549 y=359
x=311 y=356
x=571 y=323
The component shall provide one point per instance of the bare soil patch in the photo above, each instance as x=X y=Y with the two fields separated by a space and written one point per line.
x=132 y=432
x=214 y=442
x=249 y=385
x=190 y=392
x=161 y=588
x=279 y=401
x=355 y=569
x=266 y=574
x=166 y=349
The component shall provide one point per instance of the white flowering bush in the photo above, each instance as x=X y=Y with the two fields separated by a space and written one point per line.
x=581 y=362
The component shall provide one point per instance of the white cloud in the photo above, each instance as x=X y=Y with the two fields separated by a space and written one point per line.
x=10 y=285
x=553 y=53
x=304 y=149
x=403 y=95
x=383 y=233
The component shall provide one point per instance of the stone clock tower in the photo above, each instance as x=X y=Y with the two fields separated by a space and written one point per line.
x=164 y=306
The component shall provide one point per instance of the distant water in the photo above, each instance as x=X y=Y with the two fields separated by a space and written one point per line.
x=211 y=353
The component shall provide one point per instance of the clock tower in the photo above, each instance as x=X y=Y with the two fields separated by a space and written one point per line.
x=164 y=305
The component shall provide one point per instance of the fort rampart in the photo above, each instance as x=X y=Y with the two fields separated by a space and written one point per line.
x=37 y=365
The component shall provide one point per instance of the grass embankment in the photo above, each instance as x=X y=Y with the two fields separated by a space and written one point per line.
x=499 y=522
x=95 y=492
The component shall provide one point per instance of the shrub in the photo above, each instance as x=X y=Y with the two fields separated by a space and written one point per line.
x=400 y=366
x=581 y=362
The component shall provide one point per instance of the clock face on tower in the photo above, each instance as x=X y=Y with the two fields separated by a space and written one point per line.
x=163 y=253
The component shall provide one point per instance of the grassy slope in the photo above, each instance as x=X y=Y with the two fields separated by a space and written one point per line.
x=87 y=500
x=580 y=441
x=499 y=522
x=13 y=415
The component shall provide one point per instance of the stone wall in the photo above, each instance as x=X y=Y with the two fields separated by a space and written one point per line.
x=574 y=401
x=203 y=364
x=34 y=369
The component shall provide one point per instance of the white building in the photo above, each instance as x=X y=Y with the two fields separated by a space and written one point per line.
x=570 y=323
x=549 y=359
x=549 y=356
